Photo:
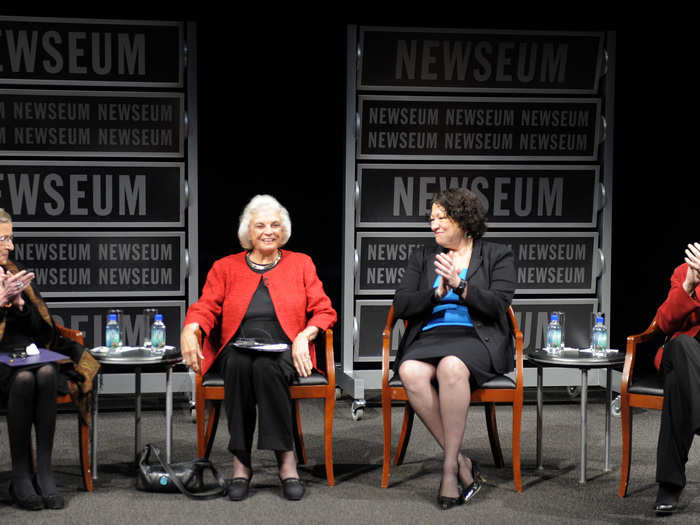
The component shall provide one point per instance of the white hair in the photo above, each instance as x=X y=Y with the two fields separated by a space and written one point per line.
x=4 y=216
x=256 y=204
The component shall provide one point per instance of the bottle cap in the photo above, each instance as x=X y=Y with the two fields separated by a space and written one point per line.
x=158 y=317
x=599 y=320
x=554 y=317
x=112 y=317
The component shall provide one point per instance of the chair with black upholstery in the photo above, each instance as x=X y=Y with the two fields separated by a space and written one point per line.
x=501 y=389
x=641 y=388
x=209 y=393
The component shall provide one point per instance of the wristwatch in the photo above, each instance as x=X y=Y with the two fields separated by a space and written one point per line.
x=460 y=287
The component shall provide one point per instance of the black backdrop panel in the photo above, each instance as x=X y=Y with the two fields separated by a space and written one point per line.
x=532 y=316
x=545 y=263
x=91 y=317
x=527 y=196
x=59 y=194
x=61 y=51
x=444 y=128
x=91 y=123
x=104 y=264
x=395 y=59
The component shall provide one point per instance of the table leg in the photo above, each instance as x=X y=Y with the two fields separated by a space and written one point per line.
x=168 y=413
x=584 y=402
x=539 y=417
x=93 y=426
x=137 y=412
x=608 y=402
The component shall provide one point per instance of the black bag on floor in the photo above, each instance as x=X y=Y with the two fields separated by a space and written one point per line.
x=187 y=477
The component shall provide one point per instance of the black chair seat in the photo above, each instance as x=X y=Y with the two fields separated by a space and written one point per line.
x=497 y=382
x=647 y=384
x=315 y=379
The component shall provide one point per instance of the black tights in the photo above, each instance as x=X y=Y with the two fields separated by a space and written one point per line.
x=32 y=400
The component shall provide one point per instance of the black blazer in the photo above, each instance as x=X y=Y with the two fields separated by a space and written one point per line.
x=490 y=288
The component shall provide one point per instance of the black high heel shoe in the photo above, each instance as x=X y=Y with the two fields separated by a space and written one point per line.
x=446 y=502
x=33 y=502
x=475 y=487
x=50 y=501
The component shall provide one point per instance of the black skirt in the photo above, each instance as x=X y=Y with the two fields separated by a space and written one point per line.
x=460 y=341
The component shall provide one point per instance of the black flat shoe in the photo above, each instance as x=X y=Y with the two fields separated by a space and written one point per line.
x=446 y=502
x=475 y=486
x=667 y=499
x=292 y=489
x=50 y=501
x=238 y=488
x=33 y=502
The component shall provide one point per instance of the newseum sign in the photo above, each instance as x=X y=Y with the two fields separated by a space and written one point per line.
x=483 y=128
x=545 y=263
x=93 y=194
x=513 y=196
x=463 y=60
x=105 y=264
x=91 y=123
x=61 y=51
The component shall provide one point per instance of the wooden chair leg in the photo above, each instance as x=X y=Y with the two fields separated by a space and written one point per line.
x=517 y=424
x=329 y=410
x=386 y=419
x=84 y=436
x=299 y=435
x=405 y=434
x=492 y=427
x=199 y=406
x=626 y=423
x=212 y=425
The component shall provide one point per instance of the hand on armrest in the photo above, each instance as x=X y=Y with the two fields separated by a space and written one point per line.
x=191 y=346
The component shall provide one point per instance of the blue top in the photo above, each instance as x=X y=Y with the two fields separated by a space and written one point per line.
x=448 y=312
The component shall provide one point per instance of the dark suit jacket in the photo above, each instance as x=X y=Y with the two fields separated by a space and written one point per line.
x=490 y=288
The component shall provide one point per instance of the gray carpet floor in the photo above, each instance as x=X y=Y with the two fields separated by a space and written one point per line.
x=553 y=495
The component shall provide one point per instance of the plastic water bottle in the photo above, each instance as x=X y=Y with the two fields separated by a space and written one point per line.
x=554 y=334
x=112 y=331
x=599 y=337
x=158 y=332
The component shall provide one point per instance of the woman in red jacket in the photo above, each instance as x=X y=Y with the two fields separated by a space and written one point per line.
x=679 y=364
x=270 y=295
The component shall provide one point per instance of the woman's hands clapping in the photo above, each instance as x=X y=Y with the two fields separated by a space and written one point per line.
x=12 y=285
x=445 y=267
x=692 y=276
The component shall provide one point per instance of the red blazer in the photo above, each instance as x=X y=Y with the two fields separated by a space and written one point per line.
x=680 y=313
x=295 y=289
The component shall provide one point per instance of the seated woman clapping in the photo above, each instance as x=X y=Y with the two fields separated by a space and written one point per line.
x=455 y=297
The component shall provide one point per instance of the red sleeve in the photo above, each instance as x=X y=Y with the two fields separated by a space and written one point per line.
x=673 y=314
x=318 y=306
x=207 y=310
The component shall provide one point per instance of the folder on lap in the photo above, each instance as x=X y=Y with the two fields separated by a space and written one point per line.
x=45 y=356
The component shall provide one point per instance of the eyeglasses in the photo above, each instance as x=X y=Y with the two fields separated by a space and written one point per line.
x=7 y=238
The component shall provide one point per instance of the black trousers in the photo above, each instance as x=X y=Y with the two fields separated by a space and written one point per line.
x=680 y=417
x=258 y=379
